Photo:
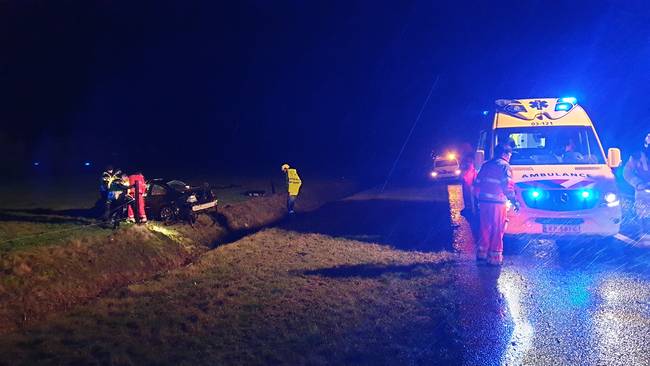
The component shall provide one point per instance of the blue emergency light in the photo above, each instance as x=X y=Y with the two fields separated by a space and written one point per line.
x=535 y=194
x=565 y=104
x=86 y=164
x=586 y=194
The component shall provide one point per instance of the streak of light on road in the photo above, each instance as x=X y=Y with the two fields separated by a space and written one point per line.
x=510 y=285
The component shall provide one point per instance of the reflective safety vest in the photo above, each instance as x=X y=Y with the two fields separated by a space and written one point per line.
x=494 y=182
x=293 y=182
x=637 y=170
x=108 y=178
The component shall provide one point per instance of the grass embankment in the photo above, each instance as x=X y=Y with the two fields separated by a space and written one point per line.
x=275 y=297
x=52 y=262
x=46 y=273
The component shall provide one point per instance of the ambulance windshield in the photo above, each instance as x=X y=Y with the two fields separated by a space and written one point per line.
x=553 y=145
x=445 y=162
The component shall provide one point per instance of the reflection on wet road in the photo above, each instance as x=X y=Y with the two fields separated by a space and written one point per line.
x=568 y=304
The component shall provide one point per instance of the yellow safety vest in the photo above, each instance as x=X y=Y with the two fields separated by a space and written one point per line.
x=293 y=182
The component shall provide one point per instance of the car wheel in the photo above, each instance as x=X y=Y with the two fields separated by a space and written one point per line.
x=166 y=214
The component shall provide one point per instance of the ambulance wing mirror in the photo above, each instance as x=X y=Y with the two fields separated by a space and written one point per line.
x=614 y=157
x=479 y=158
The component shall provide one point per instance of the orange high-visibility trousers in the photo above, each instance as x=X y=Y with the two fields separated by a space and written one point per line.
x=492 y=218
x=138 y=194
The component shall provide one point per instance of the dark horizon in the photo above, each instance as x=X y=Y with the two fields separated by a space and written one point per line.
x=333 y=86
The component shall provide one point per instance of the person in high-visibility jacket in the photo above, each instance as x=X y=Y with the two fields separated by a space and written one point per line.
x=137 y=190
x=293 y=186
x=109 y=189
x=637 y=174
x=495 y=187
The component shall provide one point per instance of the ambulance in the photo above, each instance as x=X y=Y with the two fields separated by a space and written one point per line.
x=563 y=179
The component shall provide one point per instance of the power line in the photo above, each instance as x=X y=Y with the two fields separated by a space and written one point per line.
x=417 y=119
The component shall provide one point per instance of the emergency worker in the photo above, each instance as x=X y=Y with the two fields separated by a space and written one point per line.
x=637 y=174
x=293 y=186
x=495 y=188
x=570 y=155
x=468 y=176
x=137 y=190
x=109 y=177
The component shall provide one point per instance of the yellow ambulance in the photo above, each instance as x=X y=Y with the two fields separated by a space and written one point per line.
x=563 y=179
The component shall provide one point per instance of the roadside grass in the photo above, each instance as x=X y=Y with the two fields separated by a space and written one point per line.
x=54 y=260
x=275 y=297
x=22 y=235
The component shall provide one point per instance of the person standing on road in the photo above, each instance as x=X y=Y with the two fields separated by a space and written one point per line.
x=293 y=186
x=137 y=188
x=637 y=174
x=468 y=176
x=495 y=188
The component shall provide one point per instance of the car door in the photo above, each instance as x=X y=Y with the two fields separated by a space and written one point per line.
x=157 y=197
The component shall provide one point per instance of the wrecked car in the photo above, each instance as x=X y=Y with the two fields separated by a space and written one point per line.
x=174 y=200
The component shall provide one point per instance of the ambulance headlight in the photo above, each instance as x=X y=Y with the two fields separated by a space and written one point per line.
x=191 y=199
x=457 y=172
x=434 y=174
x=611 y=198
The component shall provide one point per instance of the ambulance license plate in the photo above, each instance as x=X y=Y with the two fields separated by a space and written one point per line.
x=561 y=229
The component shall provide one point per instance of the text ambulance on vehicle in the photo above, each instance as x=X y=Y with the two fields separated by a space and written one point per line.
x=563 y=180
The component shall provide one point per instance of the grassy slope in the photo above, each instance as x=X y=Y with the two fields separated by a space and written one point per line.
x=52 y=262
x=273 y=297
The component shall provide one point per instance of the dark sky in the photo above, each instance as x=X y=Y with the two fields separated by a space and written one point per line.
x=329 y=85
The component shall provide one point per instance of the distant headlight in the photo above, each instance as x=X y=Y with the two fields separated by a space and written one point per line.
x=434 y=174
x=457 y=172
x=191 y=199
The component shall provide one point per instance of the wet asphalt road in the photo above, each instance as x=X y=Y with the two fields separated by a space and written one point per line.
x=550 y=304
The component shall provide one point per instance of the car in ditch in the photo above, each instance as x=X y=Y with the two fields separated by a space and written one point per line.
x=174 y=200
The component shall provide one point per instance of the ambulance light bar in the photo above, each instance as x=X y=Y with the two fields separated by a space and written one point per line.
x=565 y=104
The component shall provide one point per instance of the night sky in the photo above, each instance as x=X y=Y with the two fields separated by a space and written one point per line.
x=331 y=86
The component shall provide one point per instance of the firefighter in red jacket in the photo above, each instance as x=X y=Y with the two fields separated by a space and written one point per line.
x=494 y=187
x=137 y=189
